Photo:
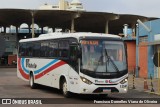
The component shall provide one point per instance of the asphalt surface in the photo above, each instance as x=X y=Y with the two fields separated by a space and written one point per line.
x=13 y=87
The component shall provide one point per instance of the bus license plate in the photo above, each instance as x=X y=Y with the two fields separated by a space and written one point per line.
x=106 y=90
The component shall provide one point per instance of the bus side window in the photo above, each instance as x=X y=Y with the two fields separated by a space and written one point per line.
x=53 y=47
x=36 y=49
x=29 y=49
x=22 y=47
x=63 y=49
x=44 y=49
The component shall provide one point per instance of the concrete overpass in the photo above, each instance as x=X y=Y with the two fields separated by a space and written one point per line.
x=100 y=22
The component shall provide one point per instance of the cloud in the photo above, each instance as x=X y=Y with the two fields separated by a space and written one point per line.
x=139 y=7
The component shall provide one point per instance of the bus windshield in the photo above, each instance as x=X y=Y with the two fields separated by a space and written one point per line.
x=103 y=56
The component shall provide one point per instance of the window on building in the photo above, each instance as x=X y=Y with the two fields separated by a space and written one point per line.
x=143 y=39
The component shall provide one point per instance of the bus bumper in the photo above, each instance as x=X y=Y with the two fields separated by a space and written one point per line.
x=103 y=89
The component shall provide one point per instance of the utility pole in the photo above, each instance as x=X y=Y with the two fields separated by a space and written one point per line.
x=32 y=14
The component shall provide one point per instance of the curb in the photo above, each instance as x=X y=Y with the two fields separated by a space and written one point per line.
x=152 y=92
x=8 y=66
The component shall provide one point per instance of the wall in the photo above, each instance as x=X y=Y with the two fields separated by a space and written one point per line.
x=143 y=61
x=131 y=52
x=10 y=42
x=12 y=58
x=144 y=54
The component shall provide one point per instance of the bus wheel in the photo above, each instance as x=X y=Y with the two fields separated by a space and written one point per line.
x=31 y=81
x=65 y=91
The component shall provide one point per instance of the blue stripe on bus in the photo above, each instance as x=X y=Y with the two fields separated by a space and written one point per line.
x=46 y=66
x=26 y=71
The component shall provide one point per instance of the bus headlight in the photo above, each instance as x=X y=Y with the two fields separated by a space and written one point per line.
x=86 y=81
x=124 y=81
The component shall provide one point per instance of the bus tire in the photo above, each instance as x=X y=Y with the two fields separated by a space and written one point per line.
x=31 y=81
x=64 y=88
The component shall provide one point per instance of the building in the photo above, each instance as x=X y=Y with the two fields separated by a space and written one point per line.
x=83 y=21
x=148 y=45
x=131 y=52
x=49 y=7
x=75 y=5
x=130 y=41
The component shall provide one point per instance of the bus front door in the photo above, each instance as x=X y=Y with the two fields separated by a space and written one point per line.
x=74 y=68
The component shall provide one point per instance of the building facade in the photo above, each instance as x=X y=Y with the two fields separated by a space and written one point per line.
x=75 y=5
x=147 y=46
x=131 y=53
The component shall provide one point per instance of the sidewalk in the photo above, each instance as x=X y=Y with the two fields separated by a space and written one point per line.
x=139 y=84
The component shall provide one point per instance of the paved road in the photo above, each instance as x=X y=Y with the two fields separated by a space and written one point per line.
x=13 y=87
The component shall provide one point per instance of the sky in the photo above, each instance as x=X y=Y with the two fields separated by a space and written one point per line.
x=149 y=8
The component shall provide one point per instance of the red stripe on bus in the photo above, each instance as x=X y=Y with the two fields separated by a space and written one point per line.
x=50 y=69
x=24 y=75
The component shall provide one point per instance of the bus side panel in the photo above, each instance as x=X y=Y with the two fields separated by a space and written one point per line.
x=42 y=72
x=74 y=79
x=46 y=71
x=51 y=75
x=20 y=71
x=57 y=73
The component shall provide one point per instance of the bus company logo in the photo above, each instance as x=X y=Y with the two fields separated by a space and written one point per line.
x=108 y=81
x=98 y=81
x=30 y=65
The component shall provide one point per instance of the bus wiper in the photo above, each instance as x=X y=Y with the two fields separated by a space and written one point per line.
x=112 y=62
x=100 y=58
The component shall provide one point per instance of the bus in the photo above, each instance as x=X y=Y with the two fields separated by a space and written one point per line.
x=82 y=63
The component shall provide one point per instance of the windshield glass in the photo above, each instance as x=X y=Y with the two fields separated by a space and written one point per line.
x=103 y=56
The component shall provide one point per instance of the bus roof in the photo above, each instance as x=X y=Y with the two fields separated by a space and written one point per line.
x=68 y=35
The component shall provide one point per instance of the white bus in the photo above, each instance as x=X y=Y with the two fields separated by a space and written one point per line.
x=83 y=63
